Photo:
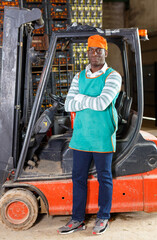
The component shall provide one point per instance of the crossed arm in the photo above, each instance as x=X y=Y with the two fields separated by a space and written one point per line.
x=77 y=102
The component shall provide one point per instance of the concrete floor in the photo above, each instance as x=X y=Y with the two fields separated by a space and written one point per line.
x=149 y=126
x=123 y=226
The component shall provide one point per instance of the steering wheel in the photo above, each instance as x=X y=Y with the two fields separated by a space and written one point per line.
x=59 y=100
x=56 y=98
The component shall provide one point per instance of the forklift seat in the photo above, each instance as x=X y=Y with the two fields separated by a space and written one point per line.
x=41 y=127
x=123 y=106
x=119 y=104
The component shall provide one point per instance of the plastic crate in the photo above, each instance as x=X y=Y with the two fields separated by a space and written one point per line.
x=59 y=25
x=1 y=17
x=58 y=1
x=59 y=11
x=61 y=61
x=63 y=77
x=39 y=31
x=33 y=1
x=40 y=43
x=32 y=5
x=85 y=2
x=62 y=58
x=60 y=45
x=11 y=3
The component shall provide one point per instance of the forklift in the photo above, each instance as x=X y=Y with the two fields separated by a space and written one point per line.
x=36 y=170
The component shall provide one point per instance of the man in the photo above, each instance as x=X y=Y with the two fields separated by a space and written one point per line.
x=92 y=96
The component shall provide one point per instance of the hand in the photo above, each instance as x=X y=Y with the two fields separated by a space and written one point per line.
x=79 y=97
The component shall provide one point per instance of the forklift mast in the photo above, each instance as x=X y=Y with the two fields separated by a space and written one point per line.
x=10 y=83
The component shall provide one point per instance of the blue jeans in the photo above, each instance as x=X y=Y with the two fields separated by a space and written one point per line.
x=81 y=165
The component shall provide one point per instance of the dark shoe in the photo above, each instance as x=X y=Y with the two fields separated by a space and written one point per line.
x=100 y=226
x=72 y=226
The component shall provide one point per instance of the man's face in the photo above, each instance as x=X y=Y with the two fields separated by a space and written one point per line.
x=97 y=56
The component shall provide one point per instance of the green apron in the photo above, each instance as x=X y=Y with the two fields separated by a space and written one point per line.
x=95 y=131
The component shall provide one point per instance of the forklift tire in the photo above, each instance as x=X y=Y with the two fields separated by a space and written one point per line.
x=18 y=209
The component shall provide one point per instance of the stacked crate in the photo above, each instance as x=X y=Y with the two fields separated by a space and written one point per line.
x=11 y=3
x=86 y=12
x=59 y=12
x=57 y=15
x=40 y=43
x=36 y=4
x=3 y=3
x=56 y=18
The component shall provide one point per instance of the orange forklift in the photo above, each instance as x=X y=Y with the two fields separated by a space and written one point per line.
x=36 y=170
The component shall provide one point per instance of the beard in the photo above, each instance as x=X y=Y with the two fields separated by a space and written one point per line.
x=96 y=62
